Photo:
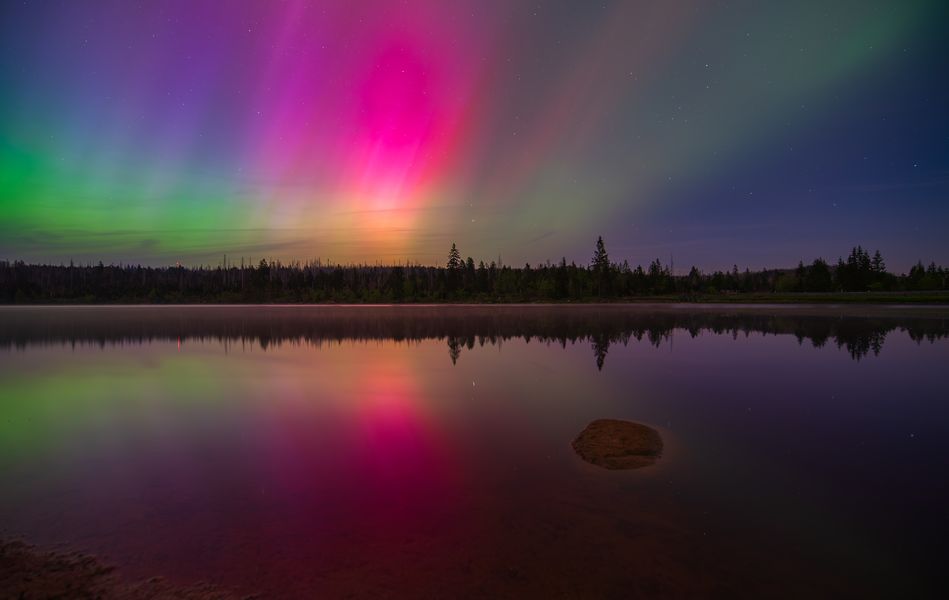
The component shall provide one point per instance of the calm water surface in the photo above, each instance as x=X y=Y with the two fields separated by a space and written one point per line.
x=425 y=451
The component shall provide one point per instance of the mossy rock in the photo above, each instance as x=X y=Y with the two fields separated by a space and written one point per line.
x=615 y=444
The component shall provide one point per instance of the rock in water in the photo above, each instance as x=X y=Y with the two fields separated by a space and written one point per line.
x=615 y=444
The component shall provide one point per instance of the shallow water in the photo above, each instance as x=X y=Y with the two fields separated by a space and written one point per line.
x=425 y=451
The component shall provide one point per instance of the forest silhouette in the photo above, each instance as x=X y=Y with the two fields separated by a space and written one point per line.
x=460 y=280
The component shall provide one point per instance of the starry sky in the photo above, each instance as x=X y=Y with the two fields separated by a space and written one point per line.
x=709 y=133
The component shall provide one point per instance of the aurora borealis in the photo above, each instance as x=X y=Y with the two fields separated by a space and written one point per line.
x=756 y=133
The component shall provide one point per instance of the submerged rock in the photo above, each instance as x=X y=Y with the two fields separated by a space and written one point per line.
x=615 y=444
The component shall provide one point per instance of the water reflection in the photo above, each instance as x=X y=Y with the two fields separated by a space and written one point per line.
x=330 y=451
x=860 y=330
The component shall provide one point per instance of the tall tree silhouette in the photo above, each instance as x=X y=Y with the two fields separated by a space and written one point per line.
x=454 y=258
x=601 y=269
x=601 y=260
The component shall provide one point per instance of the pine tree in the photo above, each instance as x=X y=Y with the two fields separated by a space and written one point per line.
x=879 y=267
x=601 y=260
x=454 y=258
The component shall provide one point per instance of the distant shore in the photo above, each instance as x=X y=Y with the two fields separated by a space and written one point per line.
x=861 y=279
x=933 y=297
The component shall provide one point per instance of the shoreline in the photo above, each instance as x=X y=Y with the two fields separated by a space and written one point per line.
x=934 y=298
x=660 y=304
x=28 y=571
x=494 y=309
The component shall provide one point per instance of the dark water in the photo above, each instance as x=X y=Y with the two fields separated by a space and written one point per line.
x=425 y=451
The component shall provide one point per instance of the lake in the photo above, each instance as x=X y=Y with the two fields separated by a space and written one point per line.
x=425 y=451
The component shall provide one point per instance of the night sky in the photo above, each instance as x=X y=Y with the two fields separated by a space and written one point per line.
x=756 y=133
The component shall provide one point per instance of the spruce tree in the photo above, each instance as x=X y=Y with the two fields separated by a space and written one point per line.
x=601 y=260
x=454 y=258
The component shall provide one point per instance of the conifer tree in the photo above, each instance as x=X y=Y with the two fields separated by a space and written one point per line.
x=601 y=260
x=877 y=263
x=454 y=258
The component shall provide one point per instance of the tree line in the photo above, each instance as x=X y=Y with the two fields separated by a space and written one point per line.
x=460 y=280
